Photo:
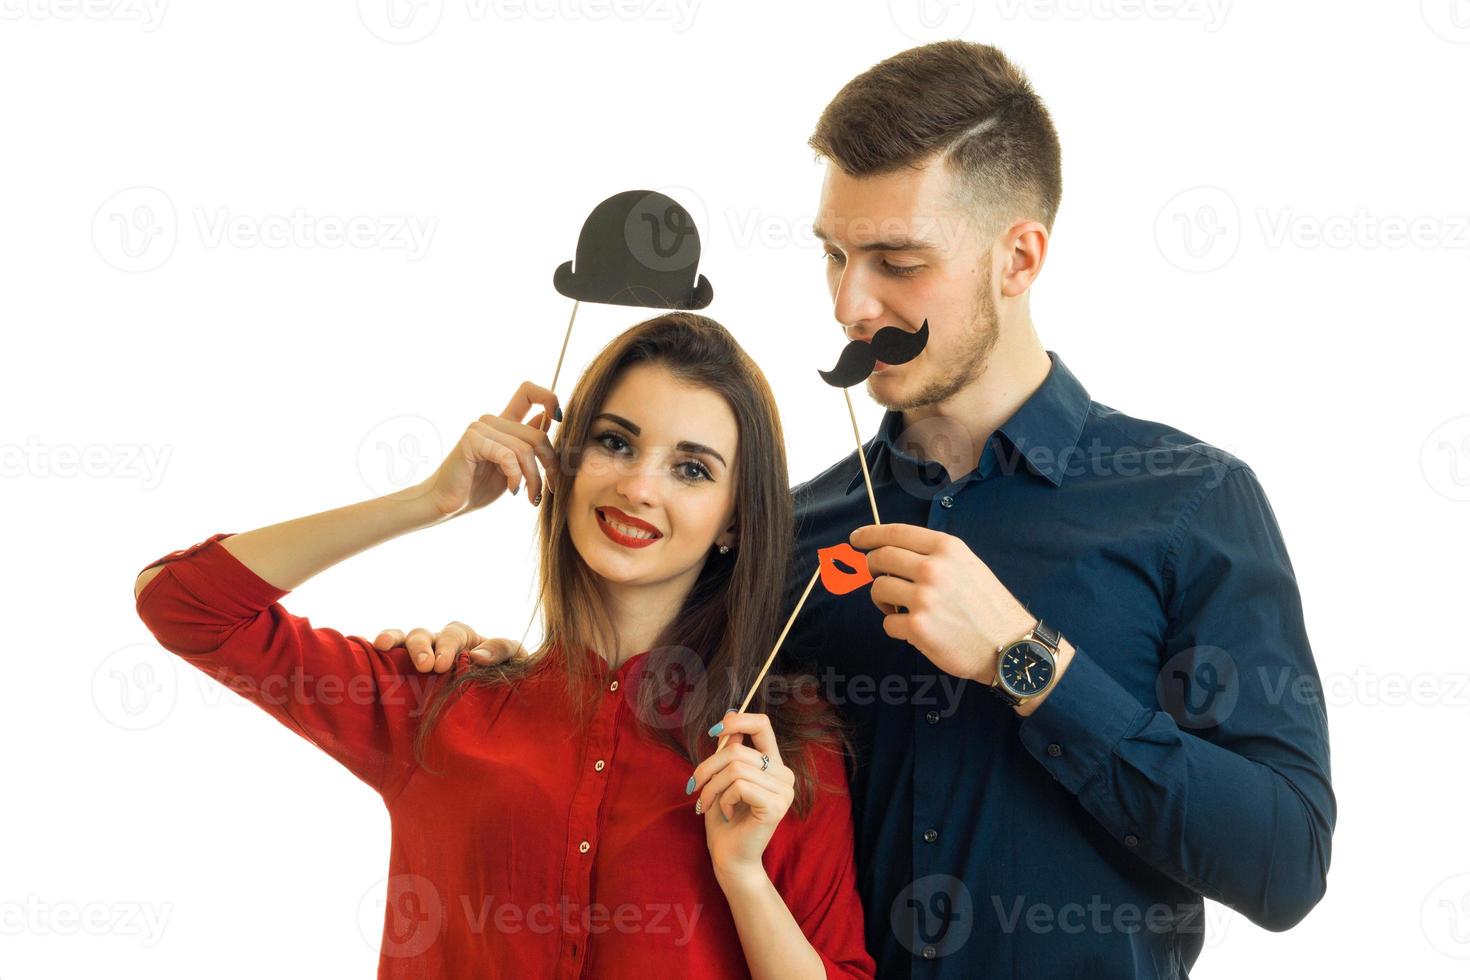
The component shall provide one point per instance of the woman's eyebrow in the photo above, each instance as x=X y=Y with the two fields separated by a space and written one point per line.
x=698 y=449
x=619 y=420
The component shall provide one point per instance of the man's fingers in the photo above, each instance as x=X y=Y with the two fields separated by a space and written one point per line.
x=498 y=651
x=388 y=639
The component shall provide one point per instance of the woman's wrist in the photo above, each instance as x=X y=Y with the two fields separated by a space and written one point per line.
x=745 y=881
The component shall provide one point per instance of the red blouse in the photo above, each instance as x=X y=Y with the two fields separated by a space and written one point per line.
x=533 y=850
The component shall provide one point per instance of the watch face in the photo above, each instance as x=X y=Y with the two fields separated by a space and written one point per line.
x=1026 y=668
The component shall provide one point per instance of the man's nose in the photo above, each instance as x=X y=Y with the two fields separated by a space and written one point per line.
x=854 y=303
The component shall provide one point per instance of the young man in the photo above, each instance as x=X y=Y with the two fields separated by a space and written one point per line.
x=1082 y=693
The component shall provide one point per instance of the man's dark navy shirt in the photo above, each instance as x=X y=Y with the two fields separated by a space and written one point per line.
x=1182 y=754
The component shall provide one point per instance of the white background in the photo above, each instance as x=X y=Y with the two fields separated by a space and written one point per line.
x=1264 y=240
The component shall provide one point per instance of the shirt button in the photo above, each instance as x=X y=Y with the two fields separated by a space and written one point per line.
x=931 y=835
x=584 y=847
x=600 y=765
x=931 y=716
x=946 y=502
x=1131 y=841
x=614 y=686
x=930 y=952
x=1054 y=750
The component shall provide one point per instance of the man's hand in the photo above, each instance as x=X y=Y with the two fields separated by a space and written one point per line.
x=957 y=612
x=436 y=651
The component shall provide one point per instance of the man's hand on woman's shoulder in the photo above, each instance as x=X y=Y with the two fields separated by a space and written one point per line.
x=436 y=651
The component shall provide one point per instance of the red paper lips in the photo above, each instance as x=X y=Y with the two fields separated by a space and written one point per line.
x=844 y=568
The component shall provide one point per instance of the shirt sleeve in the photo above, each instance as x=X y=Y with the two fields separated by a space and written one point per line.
x=1222 y=782
x=817 y=876
x=358 y=704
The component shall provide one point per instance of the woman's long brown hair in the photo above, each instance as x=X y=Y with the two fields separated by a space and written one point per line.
x=714 y=647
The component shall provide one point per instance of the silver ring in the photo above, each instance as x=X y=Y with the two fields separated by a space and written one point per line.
x=765 y=762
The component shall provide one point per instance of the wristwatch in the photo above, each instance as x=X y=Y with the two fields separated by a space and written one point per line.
x=1027 y=667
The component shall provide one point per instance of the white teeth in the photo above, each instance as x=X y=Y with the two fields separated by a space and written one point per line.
x=632 y=532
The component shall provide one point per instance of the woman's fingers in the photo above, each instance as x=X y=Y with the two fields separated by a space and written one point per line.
x=772 y=780
x=527 y=396
x=512 y=456
x=533 y=435
x=766 y=804
x=708 y=771
x=754 y=724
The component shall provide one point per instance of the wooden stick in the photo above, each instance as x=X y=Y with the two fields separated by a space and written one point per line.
x=772 y=658
x=557 y=375
x=862 y=457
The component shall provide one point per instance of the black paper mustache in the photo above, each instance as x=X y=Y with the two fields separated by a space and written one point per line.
x=891 y=345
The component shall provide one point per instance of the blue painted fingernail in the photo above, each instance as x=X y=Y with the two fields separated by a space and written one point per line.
x=717 y=728
x=689 y=788
x=723 y=817
x=556 y=413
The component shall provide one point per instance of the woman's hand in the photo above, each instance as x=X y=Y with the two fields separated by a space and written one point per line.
x=741 y=802
x=498 y=452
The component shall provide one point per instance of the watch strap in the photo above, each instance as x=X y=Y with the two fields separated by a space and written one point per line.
x=1046 y=634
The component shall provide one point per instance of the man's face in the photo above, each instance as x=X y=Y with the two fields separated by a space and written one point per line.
x=900 y=250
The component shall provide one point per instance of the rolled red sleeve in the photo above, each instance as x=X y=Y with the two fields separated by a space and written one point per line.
x=358 y=704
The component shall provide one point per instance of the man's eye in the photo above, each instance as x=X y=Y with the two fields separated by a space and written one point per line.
x=835 y=258
x=900 y=270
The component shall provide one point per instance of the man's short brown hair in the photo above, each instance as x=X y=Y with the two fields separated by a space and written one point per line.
x=965 y=101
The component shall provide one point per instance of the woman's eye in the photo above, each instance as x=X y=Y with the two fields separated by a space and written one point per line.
x=612 y=442
x=693 y=470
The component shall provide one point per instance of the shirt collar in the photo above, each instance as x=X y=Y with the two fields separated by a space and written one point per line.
x=1044 y=430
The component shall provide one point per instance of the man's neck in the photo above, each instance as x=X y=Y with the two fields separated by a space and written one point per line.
x=1012 y=374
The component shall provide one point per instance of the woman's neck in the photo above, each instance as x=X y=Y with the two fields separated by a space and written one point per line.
x=639 y=613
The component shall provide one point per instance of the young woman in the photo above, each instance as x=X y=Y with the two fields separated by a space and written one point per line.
x=567 y=815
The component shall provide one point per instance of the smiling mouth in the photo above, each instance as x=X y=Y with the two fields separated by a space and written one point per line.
x=626 y=534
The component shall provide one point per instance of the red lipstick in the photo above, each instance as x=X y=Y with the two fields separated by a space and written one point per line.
x=626 y=540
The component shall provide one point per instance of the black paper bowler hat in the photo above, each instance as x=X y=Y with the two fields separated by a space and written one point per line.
x=637 y=248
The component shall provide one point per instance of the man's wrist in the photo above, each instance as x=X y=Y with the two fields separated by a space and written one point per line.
x=1065 y=653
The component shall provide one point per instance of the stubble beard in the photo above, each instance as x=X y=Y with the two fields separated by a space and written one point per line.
x=982 y=331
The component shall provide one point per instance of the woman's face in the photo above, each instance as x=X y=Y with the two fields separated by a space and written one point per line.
x=655 y=490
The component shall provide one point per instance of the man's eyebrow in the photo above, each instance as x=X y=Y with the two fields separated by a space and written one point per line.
x=884 y=245
x=698 y=449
